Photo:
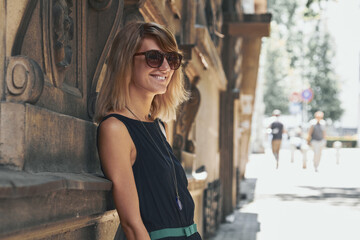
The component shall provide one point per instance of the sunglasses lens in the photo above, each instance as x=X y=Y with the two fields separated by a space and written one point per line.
x=154 y=58
x=174 y=60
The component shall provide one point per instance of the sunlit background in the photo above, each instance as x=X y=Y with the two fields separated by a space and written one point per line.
x=312 y=50
x=343 y=18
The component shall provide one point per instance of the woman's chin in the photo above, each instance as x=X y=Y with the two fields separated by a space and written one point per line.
x=160 y=90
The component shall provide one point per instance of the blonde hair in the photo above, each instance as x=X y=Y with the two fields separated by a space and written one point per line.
x=114 y=92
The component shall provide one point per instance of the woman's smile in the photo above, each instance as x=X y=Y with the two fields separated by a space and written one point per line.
x=158 y=77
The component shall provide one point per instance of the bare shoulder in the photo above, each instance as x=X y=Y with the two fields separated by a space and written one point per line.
x=114 y=129
x=115 y=148
x=112 y=125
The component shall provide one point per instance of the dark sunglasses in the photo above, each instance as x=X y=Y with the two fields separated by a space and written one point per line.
x=155 y=58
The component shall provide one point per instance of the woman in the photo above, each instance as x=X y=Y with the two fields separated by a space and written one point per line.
x=143 y=84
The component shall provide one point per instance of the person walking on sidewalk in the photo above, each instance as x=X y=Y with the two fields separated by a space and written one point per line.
x=316 y=137
x=143 y=84
x=277 y=129
x=296 y=141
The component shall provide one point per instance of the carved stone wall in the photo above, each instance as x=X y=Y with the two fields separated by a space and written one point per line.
x=51 y=56
x=54 y=64
x=184 y=120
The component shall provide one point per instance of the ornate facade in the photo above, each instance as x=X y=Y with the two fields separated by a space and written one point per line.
x=52 y=59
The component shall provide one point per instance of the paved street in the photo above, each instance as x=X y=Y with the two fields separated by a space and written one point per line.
x=291 y=203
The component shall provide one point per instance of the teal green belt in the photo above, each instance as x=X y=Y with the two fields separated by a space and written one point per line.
x=173 y=232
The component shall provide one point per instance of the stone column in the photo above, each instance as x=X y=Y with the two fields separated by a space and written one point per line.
x=251 y=53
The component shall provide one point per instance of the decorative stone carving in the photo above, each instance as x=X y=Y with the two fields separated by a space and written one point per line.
x=129 y=13
x=185 y=119
x=188 y=161
x=63 y=32
x=187 y=51
x=107 y=33
x=132 y=13
x=91 y=104
x=246 y=101
x=214 y=20
x=202 y=58
x=174 y=9
x=210 y=16
x=24 y=80
x=100 y=5
x=212 y=208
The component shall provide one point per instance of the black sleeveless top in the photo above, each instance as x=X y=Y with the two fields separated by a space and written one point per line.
x=154 y=179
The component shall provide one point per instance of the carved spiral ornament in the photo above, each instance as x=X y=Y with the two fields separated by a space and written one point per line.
x=24 y=80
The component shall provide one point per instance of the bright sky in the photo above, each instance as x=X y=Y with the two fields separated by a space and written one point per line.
x=343 y=24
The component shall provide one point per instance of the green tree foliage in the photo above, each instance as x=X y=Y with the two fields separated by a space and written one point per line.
x=285 y=15
x=308 y=52
x=320 y=73
x=313 y=8
x=280 y=57
x=274 y=97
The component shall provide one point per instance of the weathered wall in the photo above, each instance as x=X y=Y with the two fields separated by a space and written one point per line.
x=250 y=67
x=49 y=182
x=207 y=135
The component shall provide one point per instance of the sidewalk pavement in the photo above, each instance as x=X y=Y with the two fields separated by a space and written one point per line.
x=241 y=225
x=292 y=203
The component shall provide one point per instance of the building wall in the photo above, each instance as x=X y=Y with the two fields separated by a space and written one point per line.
x=207 y=129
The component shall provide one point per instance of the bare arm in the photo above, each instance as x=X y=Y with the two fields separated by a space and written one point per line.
x=309 y=134
x=117 y=153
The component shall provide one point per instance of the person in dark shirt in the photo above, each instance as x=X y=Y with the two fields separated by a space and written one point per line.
x=277 y=129
x=142 y=87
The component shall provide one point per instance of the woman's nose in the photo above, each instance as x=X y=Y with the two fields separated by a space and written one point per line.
x=165 y=65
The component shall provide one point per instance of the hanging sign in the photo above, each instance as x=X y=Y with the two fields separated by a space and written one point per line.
x=307 y=95
x=295 y=97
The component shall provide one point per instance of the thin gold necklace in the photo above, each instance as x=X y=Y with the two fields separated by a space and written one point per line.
x=177 y=198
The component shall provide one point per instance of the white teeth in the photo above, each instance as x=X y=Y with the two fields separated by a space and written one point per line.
x=159 y=77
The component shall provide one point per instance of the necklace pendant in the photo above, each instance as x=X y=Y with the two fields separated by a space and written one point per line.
x=180 y=206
